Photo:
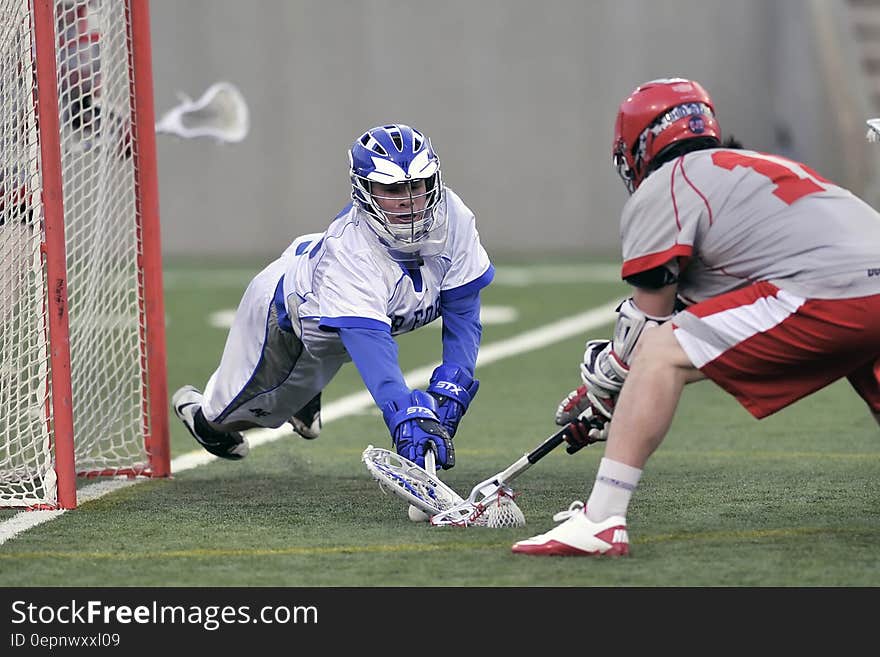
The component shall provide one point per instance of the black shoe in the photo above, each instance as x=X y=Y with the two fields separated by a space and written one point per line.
x=307 y=420
x=227 y=445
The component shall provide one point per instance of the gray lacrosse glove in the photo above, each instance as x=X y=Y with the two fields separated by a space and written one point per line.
x=606 y=362
x=594 y=401
x=603 y=376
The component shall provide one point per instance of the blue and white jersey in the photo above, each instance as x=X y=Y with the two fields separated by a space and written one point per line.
x=344 y=278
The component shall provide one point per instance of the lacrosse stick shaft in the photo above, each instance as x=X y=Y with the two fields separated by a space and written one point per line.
x=430 y=462
x=519 y=466
x=415 y=513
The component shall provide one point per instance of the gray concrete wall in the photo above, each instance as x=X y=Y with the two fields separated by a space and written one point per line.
x=518 y=97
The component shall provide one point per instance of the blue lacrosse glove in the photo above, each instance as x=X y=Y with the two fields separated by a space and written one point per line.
x=413 y=423
x=454 y=390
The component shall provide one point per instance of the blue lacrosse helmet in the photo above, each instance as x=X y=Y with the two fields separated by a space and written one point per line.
x=395 y=181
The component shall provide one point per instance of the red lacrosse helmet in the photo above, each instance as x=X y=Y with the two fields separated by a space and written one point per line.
x=657 y=114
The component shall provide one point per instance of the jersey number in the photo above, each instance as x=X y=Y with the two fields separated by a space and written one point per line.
x=789 y=185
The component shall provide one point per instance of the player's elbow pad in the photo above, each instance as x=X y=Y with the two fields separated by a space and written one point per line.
x=630 y=323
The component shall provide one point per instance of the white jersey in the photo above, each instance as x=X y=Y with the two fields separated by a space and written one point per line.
x=345 y=278
x=324 y=281
x=730 y=217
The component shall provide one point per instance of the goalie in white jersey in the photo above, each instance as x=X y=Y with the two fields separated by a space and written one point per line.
x=402 y=254
x=774 y=272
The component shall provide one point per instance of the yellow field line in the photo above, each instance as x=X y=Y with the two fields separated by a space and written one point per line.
x=731 y=536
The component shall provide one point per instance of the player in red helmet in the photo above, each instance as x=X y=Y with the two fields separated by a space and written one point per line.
x=748 y=269
x=657 y=115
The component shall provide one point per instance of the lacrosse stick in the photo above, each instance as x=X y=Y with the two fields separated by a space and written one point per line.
x=495 y=491
x=405 y=479
x=428 y=495
x=415 y=513
x=221 y=113
x=873 y=130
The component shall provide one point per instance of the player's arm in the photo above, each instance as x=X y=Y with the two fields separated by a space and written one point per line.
x=605 y=364
x=411 y=415
x=656 y=303
x=374 y=353
x=452 y=384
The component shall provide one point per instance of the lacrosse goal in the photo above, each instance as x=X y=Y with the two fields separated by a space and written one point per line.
x=82 y=341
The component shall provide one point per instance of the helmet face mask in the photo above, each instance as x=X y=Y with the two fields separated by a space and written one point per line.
x=396 y=183
x=622 y=165
x=656 y=115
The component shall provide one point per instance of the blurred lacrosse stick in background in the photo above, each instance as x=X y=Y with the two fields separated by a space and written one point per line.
x=221 y=113
x=873 y=130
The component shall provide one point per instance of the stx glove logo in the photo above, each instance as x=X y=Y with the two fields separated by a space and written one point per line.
x=454 y=388
x=418 y=409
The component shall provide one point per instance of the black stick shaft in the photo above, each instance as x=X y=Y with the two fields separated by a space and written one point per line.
x=547 y=446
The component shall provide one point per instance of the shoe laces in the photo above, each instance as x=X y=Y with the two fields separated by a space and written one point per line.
x=574 y=508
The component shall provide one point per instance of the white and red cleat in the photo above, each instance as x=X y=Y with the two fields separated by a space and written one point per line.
x=578 y=536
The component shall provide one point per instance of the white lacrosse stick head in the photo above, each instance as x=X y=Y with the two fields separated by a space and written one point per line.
x=408 y=481
x=873 y=130
x=495 y=509
x=221 y=113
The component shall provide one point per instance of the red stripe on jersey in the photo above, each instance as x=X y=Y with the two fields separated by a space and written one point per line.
x=694 y=187
x=821 y=342
x=672 y=192
x=741 y=297
x=652 y=260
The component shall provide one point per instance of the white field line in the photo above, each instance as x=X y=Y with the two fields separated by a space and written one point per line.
x=349 y=405
x=510 y=275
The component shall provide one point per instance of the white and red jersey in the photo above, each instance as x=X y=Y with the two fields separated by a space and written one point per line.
x=728 y=218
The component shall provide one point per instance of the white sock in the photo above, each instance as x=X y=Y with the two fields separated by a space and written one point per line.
x=615 y=483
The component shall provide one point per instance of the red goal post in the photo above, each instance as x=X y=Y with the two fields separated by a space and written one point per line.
x=82 y=337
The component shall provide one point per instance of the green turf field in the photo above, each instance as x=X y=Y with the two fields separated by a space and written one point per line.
x=727 y=501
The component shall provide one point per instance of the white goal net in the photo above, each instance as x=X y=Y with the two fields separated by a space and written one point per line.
x=107 y=285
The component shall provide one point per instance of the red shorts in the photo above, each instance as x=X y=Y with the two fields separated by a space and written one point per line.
x=769 y=348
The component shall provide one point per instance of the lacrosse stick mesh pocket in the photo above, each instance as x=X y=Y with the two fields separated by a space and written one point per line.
x=503 y=512
x=497 y=510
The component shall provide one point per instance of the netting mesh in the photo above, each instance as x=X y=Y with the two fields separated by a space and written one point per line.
x=26 y=468
x=94 y=90
x=502 y=512
x=102 y=250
